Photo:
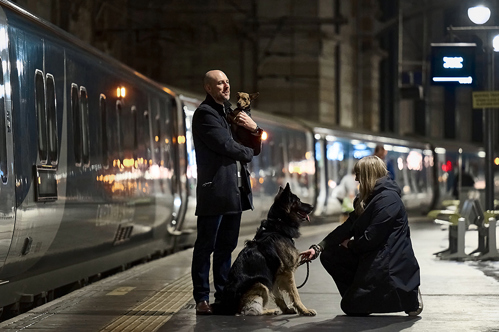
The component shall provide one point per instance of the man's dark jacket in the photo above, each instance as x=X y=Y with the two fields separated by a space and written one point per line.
x=216 y=155
x=387 y=276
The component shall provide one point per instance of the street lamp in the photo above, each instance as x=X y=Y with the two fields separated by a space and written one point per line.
x=479 y=14
x=495 y=43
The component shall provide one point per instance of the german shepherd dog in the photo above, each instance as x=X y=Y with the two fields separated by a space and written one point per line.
x=266 y=265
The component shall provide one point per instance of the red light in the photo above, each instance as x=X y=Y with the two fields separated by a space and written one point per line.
x=447 y=167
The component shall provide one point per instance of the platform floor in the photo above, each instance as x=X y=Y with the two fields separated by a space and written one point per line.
x=457 y=296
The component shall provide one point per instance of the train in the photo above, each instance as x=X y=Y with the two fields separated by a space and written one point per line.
x=98 y=169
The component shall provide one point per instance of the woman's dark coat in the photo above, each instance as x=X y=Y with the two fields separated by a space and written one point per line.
x=387 y=277
x=216 y=154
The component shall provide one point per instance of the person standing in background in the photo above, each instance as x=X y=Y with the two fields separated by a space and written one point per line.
x=380 y=152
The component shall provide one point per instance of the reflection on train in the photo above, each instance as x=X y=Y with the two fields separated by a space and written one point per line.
x=98 y=166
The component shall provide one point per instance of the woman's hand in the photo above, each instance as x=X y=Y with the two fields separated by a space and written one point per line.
x=307 y=255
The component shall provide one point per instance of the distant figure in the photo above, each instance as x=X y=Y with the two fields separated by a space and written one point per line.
x=381 y=153
x=345 y=192
x=467 y=181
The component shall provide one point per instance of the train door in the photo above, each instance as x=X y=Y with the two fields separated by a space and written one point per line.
x=7 y=187
x=162 y=168
x=187 y=162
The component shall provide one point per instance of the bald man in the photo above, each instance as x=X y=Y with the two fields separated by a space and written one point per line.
x=223 y=188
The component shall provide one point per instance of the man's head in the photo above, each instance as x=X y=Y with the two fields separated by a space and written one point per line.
x=380 y=151
x=216 y=84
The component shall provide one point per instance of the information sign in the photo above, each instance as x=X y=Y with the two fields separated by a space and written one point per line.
x=486 y=99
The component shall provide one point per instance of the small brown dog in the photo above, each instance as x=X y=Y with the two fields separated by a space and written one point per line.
x=243 y=104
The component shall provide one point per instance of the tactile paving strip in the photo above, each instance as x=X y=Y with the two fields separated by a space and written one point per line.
x=150 y=315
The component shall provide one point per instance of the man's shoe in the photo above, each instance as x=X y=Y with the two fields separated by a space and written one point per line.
x=203 y=308
x=418 y=311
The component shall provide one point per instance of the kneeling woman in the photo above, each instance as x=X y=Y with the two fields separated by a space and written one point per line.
x=370 y=255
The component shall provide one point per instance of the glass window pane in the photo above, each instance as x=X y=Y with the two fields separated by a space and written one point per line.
x=105 y=148
x=52 y=120
x=3 y=131
x=75 y=107
x=41 y=116
x=84 y=126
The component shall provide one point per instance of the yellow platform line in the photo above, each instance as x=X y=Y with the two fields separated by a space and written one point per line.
x=150 y=315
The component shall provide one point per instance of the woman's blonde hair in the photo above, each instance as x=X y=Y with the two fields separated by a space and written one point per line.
x=368 y=170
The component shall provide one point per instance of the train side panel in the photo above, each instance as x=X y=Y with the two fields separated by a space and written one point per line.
x=7 y=178
x=94 y=171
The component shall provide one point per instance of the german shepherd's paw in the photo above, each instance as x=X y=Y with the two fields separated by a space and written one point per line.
x=271 y=312
x=309 y=312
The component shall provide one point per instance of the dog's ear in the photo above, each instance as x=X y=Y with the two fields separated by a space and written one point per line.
x=254 y=95
x=239 y=94
x=280 y=190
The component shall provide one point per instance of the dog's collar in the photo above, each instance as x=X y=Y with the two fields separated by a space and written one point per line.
x=247 y=110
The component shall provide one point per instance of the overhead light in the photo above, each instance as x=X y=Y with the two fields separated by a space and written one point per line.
x=479 y=14
x=495 y=43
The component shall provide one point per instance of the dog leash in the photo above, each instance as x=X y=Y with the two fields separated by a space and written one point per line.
x=308 y=272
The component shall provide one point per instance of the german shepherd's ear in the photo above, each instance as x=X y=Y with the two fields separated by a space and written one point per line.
x=287 y=187
x=280 y=191
x=254 y=95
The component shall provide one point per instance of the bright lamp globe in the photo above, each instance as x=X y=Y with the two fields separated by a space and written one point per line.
x=495 y=43
x=479 y=14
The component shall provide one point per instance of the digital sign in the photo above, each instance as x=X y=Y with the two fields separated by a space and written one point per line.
x=453 y=64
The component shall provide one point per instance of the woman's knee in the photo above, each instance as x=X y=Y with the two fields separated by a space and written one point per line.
x=353 y=308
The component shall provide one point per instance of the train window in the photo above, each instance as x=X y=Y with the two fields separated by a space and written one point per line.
x=147 y=137
x=168 y=138
x=51 y=119
x=103 y=115
x=84 y=126
x=75 y=110
x=3 y=131
x=41 y=116
x=135 y=134
x=119 y=128
x=157 y=139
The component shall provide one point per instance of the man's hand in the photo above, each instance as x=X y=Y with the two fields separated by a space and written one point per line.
x=244 y=120
x=345 y=243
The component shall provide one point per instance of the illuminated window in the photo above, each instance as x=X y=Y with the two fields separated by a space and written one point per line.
x=104 y=129
x=84 y=126
x=41 y=116
x=3 y=141
x=51 y=119
x=75 y=108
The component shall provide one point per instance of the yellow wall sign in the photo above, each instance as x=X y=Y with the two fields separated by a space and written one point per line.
x=486 y=99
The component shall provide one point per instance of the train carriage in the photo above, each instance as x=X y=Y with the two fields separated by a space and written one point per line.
x=91 y=176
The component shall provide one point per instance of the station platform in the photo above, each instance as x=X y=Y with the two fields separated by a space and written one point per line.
x=157 y=296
